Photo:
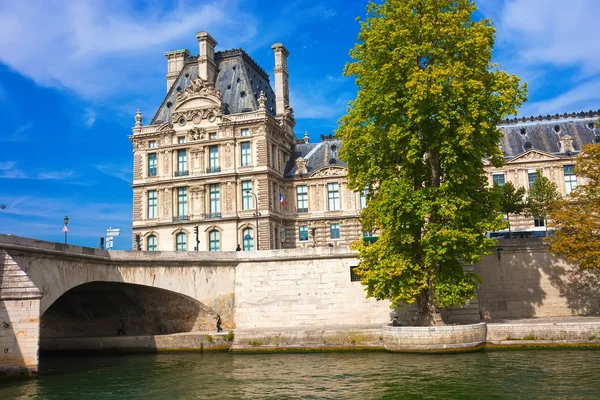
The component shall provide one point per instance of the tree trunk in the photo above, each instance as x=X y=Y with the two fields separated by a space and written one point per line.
x=429 y=313
x=509 y=232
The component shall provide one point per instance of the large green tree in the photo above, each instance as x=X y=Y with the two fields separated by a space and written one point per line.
x=511 y=200
x=577 y=217
x=542 y=196
x=423 y=121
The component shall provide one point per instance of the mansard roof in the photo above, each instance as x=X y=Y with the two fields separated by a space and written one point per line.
x=317 y=155
x=239 y=79
x=545 y=133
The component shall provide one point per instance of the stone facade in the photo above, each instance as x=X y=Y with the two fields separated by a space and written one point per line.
x=221 y=148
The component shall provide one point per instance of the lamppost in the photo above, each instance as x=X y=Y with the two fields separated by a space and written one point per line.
x=65 y=229
x=256 y=215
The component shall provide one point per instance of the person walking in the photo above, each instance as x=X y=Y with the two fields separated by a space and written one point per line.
x=219 y=329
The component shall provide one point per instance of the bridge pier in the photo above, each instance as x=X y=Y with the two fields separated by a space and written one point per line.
x=19 y=320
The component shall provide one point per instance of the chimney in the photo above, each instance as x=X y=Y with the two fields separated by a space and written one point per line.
x=175 y=63
x=282 y=90
x=206 y=58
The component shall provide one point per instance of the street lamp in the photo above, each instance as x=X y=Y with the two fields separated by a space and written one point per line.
x=256 y=215
x=65 y=229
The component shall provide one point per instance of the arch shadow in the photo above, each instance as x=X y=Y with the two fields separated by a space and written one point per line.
x=94 y=309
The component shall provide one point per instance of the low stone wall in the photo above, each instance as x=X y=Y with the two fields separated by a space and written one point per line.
x=294 y=339
x=140 y=344
x=543 y=334
x=434 y=338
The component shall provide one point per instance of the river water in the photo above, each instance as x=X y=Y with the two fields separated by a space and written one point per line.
x=533 y=374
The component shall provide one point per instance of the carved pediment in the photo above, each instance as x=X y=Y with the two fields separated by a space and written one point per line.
x=199 y=95
x=328 y=171
x=532 y=155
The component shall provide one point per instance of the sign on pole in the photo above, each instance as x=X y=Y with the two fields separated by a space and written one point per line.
x=113 y=232
x=109 y=243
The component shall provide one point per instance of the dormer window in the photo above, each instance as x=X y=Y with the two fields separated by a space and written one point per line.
x=182 y=121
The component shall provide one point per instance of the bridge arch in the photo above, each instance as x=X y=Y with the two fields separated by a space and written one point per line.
x=96 y=309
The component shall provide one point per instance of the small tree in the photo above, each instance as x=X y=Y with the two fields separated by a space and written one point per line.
x=511 y=201
x=577 y=217
x=542 y=196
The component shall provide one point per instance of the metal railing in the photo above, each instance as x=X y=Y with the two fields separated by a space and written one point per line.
x=213 y=170
x=182 y=173
x=216 y=215
x=180 y=218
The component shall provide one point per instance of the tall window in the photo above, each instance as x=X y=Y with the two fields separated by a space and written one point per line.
x=182 y=201
x=498 y=178
x=152 y=164
x=570 y=178
x=303 y=233
x=537 y=221
x=213 y=158
x=334 y=230
x=246 y=158
x=181 y=240
x=214 y=240
x=152 y=204
x=531 y=177
x=215 y=198
x=248 y=236
x=245 y=132
x=151 y=243
x=246 y=195
x=273 y=155
x=302 y=198
x=333 y=194
x=363 y=198
x=181 y=160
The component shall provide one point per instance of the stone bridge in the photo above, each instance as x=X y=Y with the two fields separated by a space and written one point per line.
x=52 y=290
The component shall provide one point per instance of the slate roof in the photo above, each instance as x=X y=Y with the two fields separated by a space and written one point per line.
x=317 y=155
x=544 y=132
x=239 y=78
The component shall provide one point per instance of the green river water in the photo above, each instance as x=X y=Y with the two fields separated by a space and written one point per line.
x=532 y=374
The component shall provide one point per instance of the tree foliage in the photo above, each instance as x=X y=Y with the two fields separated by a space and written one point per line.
x=424 y=118
x=511 y=200
x=542 y=196
x=577 y=217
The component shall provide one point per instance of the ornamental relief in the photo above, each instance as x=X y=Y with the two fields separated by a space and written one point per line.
x=326 y=172
x=166 y=202
x=229 y=197
x=228 y=155
x=196 y=134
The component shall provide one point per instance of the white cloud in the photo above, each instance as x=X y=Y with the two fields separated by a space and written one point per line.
x=90 y=117
x=583 y=97
x=123 y=172
x=56 y=176
x=8 y=171
x=96 y=48
x=19 y=134
x=554 y=32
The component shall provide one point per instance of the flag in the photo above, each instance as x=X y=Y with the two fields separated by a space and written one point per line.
x=281 y=200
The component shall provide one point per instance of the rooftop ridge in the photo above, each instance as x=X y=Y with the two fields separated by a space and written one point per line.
x=233 y=53
x=582 y=114
x=246 y=56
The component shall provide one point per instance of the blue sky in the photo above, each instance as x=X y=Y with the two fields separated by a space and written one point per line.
x=73 y=73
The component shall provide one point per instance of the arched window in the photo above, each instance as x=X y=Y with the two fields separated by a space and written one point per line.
x=151 y=243
x=248 y=236
x=181 y=240
x=214 y=240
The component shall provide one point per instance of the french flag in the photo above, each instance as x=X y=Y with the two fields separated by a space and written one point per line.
x=281 y=199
